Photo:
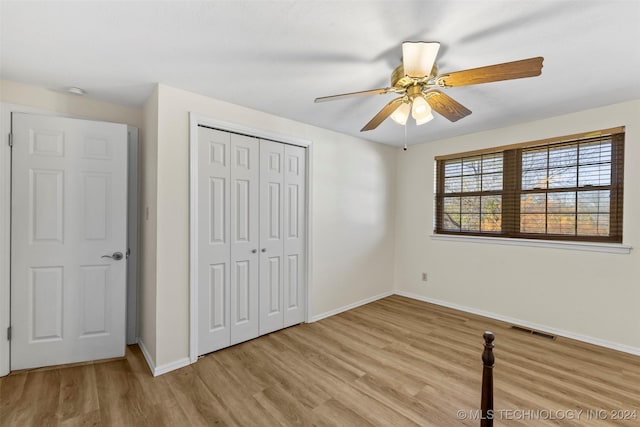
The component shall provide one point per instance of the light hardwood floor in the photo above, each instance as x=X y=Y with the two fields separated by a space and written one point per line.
x=394 y=362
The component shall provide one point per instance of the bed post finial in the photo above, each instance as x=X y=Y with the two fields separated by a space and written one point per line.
x=488 y=360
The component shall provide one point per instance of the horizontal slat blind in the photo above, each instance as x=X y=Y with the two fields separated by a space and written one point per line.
x=569 y=190
x=540 y=142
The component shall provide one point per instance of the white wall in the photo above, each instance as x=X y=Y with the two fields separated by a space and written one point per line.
x=66 y=104
x=352 y=217
x=594 y=295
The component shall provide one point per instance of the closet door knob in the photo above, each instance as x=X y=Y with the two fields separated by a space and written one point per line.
x=253 y=251
x=264 y=249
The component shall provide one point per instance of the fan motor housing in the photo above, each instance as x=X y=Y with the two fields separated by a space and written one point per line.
x=400 y=80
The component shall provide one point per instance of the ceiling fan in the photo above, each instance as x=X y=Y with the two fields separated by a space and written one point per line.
x=416 y=80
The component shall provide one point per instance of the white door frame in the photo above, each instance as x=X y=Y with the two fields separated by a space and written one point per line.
x=5 y=225
x=132 y=235
x=194 y=121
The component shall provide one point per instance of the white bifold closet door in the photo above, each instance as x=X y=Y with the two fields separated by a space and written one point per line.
x=245 y=172
x=251 y=221
x=271 y=236
x=295 y=226
x=282 y=225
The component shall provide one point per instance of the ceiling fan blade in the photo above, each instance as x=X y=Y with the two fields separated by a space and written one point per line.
x=418 y=58
x=447 y=106
x=382 y=114
x=354 y=94
x=493 y=73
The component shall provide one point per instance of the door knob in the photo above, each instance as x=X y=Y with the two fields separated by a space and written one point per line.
x=264 y=249
x=253 y=251
x=117 y=256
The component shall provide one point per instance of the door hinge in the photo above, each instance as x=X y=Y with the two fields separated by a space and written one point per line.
x=10 y=142
x=9 y=333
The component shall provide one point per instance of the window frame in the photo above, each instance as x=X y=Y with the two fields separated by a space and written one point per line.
x=512 y=182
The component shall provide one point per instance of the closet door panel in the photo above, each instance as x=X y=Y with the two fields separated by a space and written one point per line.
x=271 y=236
x=251 y=244
x=214 y=272
x=245 y=176
x=294 y=235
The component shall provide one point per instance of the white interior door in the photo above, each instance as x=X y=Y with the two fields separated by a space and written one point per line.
x=69 y=210
x=214 y=243
x=294 y=234
x=271 y=236
x=245 y=176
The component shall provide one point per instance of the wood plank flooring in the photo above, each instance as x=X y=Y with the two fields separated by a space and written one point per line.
x=394 y=362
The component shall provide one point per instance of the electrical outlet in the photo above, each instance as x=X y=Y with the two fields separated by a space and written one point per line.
x=424 y=277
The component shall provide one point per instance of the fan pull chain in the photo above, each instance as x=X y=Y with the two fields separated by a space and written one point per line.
x=405 y=138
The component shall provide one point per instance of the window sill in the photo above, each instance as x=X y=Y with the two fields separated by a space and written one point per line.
x=611 y=248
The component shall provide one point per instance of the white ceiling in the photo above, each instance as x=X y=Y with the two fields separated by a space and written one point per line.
x=277 y=56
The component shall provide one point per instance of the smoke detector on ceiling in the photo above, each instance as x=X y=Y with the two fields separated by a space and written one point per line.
x=76 y=91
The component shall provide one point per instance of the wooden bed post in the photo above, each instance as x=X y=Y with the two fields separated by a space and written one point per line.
x=486 y=404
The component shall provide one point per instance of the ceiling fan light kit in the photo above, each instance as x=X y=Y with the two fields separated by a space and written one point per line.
x=417 y=81
x=401 y=114
x=424 y=119
x=420 y=108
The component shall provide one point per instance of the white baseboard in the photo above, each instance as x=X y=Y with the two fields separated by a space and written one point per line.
x=168 y=367
x=543 y=328
x=350 y=306
x=147 y=356
x=162 y=369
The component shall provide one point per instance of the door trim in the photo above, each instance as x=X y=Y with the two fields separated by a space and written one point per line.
x=196 y=120
x=132 y=234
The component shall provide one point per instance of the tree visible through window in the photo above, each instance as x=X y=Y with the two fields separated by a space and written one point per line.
x=473 y=187
x=569 y=189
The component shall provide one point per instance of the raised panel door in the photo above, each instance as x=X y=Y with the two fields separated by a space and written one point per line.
x=294 y=235
x=69 y=210
x=245 y=175
x=214 y=240
x=271 y=236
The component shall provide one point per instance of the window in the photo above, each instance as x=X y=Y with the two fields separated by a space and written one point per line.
x=568 y=188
